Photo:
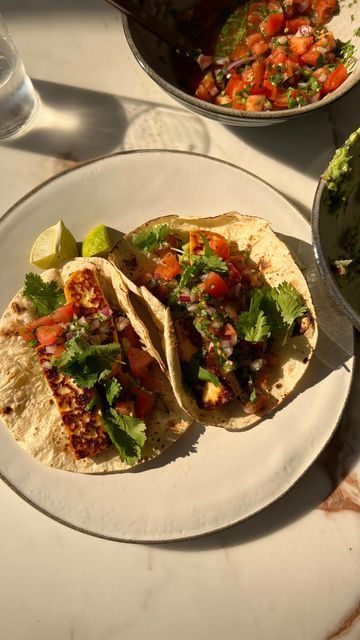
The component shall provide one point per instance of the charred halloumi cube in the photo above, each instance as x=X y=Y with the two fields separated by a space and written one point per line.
x=188 y=339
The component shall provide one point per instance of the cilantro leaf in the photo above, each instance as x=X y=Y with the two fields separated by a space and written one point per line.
x=112 y=389
x=252 y=325
x=46 y=296
x=206 y=375
x=290 y=303
x=272 y=311
x=127 y=434
x=85 y=362
x=150 y=240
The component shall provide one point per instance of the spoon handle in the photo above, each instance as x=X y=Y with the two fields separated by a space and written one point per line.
x=151 y=23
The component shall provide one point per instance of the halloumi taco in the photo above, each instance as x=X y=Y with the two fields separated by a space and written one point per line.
x=235 y=310
x=81 y=387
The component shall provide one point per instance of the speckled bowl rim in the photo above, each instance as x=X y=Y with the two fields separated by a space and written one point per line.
x=218 y=112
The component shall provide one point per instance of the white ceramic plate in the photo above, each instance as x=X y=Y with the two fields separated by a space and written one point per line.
x=211 y=478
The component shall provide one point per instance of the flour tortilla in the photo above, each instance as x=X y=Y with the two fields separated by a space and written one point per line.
x=277 y=265
x=26 y=403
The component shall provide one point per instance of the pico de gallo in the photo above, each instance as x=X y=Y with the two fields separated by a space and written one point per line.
x=228 y=321
x=264 y=54
x=95 y=365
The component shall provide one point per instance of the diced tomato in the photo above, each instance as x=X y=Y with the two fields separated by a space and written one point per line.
x=139 y=361
x=311 y=57
x=255 y=102
x=220 y=246
x=234 y=275
x=256 y=12
x=125 y=407
x=203 y=94
x=299 y=45
x=152 y=384
x=335 y=78
x=239 y=260
x=59 y=349
x=324 y=10
x=270 y=89
x=235 y=85
x=48 y=335
x=130 y=334
x=144 y=404
x=292 y=25
x=168 y=268
x=272 y=25
x=63 y=314
x=281 y=98
x=215 y=286
x=240 y=51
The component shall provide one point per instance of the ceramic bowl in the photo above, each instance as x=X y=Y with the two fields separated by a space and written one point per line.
x=336 y=233
x=154 y=57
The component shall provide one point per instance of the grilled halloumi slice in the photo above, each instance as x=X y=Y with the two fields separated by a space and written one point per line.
x=83 y=424
x=84 y=427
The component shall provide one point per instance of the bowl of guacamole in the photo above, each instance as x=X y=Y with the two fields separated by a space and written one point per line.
x=336 y=227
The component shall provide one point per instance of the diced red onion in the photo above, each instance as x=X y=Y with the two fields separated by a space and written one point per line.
x=304 y=30
x=214 y=91
x=105 y=329
x=192 y=307
x=46 y=365
x=106 y=311
x=69 y=335
x=237 y=290
x=185 y=296
x=204 y=61
x=231 y=338
x=239 y=63
x=321 y=78
x=211 y=347
x=228 y=351
x=315 y=97
x=82 y=320
x=225 y=344
x=50 y=348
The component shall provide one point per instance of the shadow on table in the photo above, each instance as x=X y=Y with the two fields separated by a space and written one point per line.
x=76 y=125
x=296 y=142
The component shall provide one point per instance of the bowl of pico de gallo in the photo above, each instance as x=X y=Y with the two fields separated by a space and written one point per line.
x=257 y=62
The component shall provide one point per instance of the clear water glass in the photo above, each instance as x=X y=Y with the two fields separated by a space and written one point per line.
x=18 y=98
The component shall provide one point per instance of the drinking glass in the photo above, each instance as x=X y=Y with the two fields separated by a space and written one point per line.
x=18 y=99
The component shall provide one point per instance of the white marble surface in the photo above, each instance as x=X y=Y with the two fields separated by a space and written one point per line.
x=292 y=571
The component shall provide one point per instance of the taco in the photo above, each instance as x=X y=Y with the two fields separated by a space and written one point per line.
x=236 y=314
x=82 y=388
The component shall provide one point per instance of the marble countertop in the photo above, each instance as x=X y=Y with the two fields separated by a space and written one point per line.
x=292 y=571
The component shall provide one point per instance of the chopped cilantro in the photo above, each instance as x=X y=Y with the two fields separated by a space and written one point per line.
x=289 y=303
x=84 y=362
x=112 y=388
x=91 y=404
x=127 y=434
x=46 y=296
x=252 y=325
x=253 y=395
x=272 y=311
x=150 y=240
x=206 y=375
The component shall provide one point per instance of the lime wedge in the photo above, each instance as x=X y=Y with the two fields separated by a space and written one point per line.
x=96 y=243
x=54 y=246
